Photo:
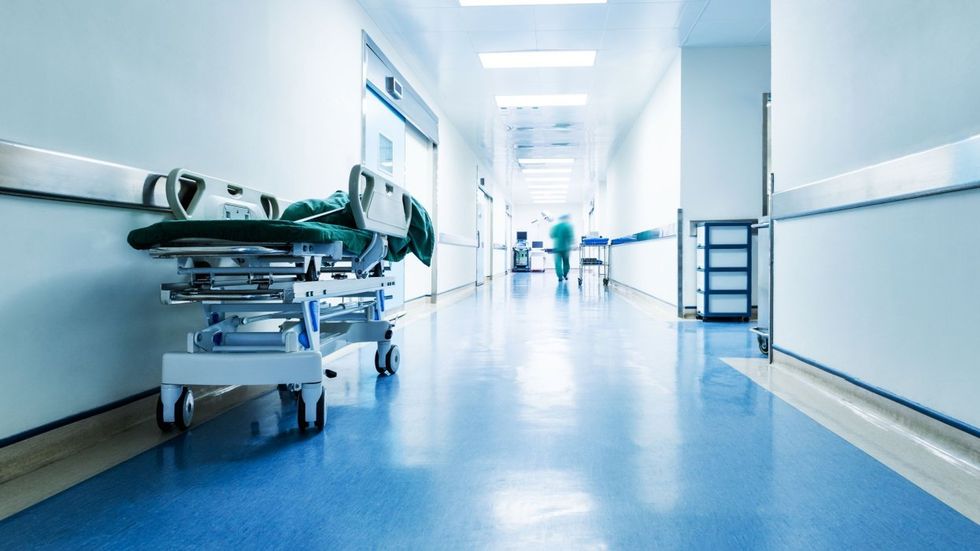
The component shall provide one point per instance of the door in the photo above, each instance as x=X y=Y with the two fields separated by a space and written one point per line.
x=384 y=153
x=481 y=238
x=418 y=182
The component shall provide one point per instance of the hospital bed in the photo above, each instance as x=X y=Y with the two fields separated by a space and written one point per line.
x=277 y=295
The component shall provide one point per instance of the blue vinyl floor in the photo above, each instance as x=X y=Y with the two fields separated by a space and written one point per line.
x=531 y=415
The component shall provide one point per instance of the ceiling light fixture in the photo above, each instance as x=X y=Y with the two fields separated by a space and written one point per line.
x=548 y=179
x=546 y=170
x=468 y=3
x=542 y=100
x=538 y=58
x=545 y=161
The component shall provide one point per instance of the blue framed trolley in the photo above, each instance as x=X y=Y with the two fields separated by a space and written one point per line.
x=594 y=255
x=724 y=271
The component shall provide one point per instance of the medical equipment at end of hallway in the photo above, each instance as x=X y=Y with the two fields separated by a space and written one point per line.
x=324 y=293
x=522 y=252
x=594 y=258
x=724 y=270
x=539 y=256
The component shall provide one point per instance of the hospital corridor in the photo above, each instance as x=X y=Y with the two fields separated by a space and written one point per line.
x=489 y=274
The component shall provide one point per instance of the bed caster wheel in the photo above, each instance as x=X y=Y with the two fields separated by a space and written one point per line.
x=605 y=282
x=165 y=426
x=393 y=359
x=579 y=282
x=763 y=345
x=183 y=412
x=321 y=412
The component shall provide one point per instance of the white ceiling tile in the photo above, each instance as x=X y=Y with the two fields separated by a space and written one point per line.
x=506 y=18
x=644 y=16
x=689 y=17
x=755 y=10
x=503 y=41
x=724 y=33
x=411 y=20
x=639 y=39
x=569 y=40
x=570 y=18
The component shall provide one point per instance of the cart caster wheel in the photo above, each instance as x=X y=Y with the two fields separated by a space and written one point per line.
x=763 y=345
x=184 y=409
x=392 y=361
x=165 y=426
x=321 y=412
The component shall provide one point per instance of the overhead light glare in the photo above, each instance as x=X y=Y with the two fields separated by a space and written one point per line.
x=545 y=161
x=538 y=58
x=468 y=3
x=542 y=100
x=548 y=179
x=546 y=170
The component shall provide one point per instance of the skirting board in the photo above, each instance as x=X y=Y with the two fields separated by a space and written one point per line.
x=54 y=445
x=940 y=434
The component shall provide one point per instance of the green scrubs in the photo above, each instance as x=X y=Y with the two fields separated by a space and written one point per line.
x=563 y=234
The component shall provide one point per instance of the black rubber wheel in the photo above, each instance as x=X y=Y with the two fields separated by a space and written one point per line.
x=321 y=412
x=164 y=425
x=393 y=359
x=184 y=409
x=763 y=345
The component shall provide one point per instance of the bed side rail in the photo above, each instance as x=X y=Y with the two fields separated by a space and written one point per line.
x=194 y=196
x=378 y=204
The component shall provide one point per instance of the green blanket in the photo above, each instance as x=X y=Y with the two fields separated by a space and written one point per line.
x=338 y=226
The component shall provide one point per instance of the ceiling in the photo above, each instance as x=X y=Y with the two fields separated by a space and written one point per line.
x=635 y=40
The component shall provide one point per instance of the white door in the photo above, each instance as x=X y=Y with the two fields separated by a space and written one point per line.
x=481 y=238
x=384 y=153
x=418 y=182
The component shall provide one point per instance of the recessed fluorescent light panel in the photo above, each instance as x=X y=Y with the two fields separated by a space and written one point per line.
x=538 y=58
x=545 y=161
x=543 y=100
x=546 y=171
x=467 y=3
x=548 y=179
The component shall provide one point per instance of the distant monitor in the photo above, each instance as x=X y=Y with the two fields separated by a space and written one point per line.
x=522 y=236
x=537 y=244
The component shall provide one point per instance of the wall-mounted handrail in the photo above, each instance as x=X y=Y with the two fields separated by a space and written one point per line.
x=944 y=169
x=662 y=232
x=446 y=238
x=40 y=173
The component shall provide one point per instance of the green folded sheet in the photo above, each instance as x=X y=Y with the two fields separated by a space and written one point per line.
x=336 y=226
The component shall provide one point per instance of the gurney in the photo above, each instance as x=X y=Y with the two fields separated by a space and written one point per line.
x=251 y=264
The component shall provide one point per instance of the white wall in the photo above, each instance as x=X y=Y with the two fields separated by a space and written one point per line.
x=643 y=191
x=457 y=188
x=721 y=140
x=264 y=93
x=886 y=294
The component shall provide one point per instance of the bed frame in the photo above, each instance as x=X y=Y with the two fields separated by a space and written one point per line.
x=322 y=296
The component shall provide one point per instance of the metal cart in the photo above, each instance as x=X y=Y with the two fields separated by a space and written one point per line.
x=594 y=256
